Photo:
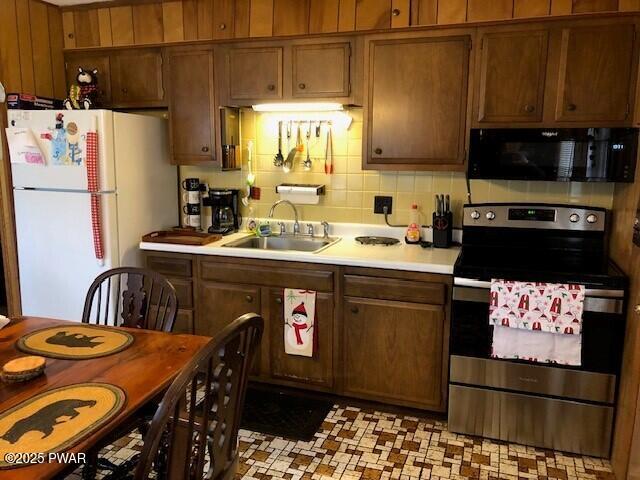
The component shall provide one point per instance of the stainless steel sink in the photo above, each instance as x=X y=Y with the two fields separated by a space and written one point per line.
x=286 y=243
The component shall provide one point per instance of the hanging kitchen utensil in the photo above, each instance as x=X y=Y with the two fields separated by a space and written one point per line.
x=251 y=178
x=307 y=163
x=289 y=128
x=318 y=125
x=279 y=158
x=299 y=144
x=328 y=154
x=287 y=166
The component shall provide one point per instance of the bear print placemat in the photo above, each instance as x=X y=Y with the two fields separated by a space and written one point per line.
x=75 y=342
x=55 y=420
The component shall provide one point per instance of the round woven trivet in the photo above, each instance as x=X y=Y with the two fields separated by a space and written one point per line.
x=22 y=369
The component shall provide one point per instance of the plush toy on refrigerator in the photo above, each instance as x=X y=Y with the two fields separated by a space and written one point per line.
x=83 y=95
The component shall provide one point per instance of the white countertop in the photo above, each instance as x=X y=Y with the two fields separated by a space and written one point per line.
x=345 y=252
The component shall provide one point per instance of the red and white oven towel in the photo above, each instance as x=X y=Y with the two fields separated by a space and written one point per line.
x=93 y=185
x=540 y=322
x=300 y=334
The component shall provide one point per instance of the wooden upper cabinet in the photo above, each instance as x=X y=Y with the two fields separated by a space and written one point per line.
x=373 y=14
x=416 y=101
x=254 y=73
x=321 y=70
x=595 y=69
x=511 y=72
x=136 y=77
x=191 y=106
x=315 y=370
x=90 y=62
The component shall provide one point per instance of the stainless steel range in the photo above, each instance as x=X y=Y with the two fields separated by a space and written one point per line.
x=546 y=405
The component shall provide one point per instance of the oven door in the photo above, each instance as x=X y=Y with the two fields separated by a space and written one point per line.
x=602 y=328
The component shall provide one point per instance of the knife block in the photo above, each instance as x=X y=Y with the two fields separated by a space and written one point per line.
x=442 y=230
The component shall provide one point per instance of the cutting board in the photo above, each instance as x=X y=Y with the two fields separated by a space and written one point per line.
x=181 y=236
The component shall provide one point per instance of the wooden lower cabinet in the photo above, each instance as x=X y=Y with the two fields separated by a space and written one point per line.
x=316 y=370
x=393 y=351
x=382 y=335
x=219 y=304
x=184 y=322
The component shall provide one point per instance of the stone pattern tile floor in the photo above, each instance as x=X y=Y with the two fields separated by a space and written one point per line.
x=355 y=443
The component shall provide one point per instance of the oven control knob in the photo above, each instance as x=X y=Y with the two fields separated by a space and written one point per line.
x=475 y=214
x=574 y=217
x=490 y=215
x=591 y=218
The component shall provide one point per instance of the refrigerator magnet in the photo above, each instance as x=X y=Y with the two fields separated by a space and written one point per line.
x=73 y=139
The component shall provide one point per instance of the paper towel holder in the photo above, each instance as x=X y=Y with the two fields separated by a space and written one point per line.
x=301 y=193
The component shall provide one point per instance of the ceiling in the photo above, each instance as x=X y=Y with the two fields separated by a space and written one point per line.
x=69 y=2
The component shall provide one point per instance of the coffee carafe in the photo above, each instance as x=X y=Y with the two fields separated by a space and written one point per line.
x=225 y=210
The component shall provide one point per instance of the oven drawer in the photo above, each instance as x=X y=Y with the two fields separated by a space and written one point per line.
x=541 y=422
x=543 y=380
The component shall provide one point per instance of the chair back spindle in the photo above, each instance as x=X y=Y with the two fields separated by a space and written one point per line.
x=131 y=297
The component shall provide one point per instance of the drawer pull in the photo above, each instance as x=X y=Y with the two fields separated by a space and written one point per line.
x=278 y=300
x=378 y=151
x=571 y=107
x=529 y=108
x=355 y=309
x=395 y=12
x=222 y=26
x=249 y=298
x=205 y=149
x=271 y=87
x=302 y=86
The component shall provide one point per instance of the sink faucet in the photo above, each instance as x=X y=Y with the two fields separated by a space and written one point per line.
x=296 y=225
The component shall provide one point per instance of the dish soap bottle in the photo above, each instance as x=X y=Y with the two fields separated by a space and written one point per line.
x=413 y=230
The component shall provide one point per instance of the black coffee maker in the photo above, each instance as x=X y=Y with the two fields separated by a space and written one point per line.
x=225 y=210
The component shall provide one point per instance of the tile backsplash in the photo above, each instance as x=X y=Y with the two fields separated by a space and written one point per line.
x=350 y=190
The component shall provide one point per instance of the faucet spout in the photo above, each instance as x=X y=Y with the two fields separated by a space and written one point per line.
x=296 y=225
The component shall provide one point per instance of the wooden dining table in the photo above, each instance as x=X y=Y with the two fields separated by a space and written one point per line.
x=143 y=370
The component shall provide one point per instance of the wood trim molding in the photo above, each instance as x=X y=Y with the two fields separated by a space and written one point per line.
x=7 y=225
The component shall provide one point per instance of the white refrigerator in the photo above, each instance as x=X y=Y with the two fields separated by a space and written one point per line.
x=137 y=190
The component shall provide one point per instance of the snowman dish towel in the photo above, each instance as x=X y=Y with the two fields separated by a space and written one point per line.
x=299 y=321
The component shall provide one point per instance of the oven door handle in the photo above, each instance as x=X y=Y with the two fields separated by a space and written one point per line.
x=589 y=292
x=591 y=304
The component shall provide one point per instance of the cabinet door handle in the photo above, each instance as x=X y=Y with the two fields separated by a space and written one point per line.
x=571 y=107
x=125 y=91
x=529 y=108
x=378 y=151
x=271 y=87
x=354 y=309
x=249 y=298
x=222 y=26
x=395 y=12
x=302 y=86
x=70 y=35
x=278 y=300
x=205 y=149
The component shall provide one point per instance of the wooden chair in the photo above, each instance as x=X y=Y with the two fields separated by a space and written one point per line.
x=142 y=299
x=194 y=433
x=136 y=298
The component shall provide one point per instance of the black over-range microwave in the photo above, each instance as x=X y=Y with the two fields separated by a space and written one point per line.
x=563 y=154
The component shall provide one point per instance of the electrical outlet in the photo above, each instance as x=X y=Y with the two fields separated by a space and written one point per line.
x=380 y=202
